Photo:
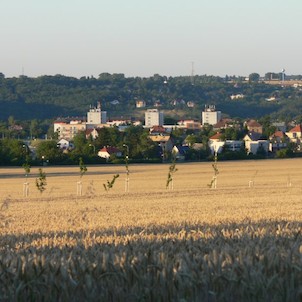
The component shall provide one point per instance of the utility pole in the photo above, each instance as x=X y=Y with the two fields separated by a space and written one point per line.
x=192 y=73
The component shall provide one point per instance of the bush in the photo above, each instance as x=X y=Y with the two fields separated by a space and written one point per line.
x=232 y=155
x=284 y=153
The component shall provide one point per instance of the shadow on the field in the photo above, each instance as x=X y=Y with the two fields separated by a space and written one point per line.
x=246 y=261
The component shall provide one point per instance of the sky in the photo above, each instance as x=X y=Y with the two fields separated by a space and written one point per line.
x=146 y=37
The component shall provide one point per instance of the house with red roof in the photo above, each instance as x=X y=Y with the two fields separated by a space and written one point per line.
x=216 y=143
x=92 y=132
x=216 y=137
x=278 y=141
x=157 y=130
x=295 y=136
x=223 y=124
x=253 y=126
x=107 y=152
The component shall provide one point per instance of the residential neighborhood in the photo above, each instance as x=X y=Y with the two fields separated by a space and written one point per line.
x=99 y=139
x=220 y=135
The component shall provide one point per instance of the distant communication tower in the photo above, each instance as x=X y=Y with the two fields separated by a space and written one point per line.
x=283 y=75
x=192 y=73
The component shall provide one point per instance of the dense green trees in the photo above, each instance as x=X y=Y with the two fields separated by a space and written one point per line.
x=134 y=141
x=254 y=77
x=53 y=96
x=47 y=151
x=268 y=128
x=12 y=151
x=108 y=136
x=140 y=146
x=232 y=134
x=29 y=105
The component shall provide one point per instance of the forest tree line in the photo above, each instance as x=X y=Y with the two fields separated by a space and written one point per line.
x=49 y=97
x=140 y=148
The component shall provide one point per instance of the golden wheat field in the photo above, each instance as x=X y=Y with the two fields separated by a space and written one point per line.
x=239 y=242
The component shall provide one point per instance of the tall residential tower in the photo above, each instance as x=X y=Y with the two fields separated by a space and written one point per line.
x=95 y=116
x=153 y=117
x=210 y=115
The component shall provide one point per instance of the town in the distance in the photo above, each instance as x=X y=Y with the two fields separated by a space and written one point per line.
x=187 y=139
x=156 y=132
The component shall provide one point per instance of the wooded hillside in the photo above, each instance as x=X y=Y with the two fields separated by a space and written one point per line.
x=54 y=96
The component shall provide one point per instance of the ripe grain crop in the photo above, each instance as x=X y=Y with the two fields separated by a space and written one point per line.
x=192 y=243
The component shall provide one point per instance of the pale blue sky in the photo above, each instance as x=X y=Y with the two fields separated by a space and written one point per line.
x=144 y=37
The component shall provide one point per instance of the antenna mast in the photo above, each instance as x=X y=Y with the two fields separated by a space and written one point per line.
x=283 y=75
x=192 y=73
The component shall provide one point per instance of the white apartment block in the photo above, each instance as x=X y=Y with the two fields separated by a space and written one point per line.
x=210 y=115
x=68 y=130
x=95 y=116
x=153 y=117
